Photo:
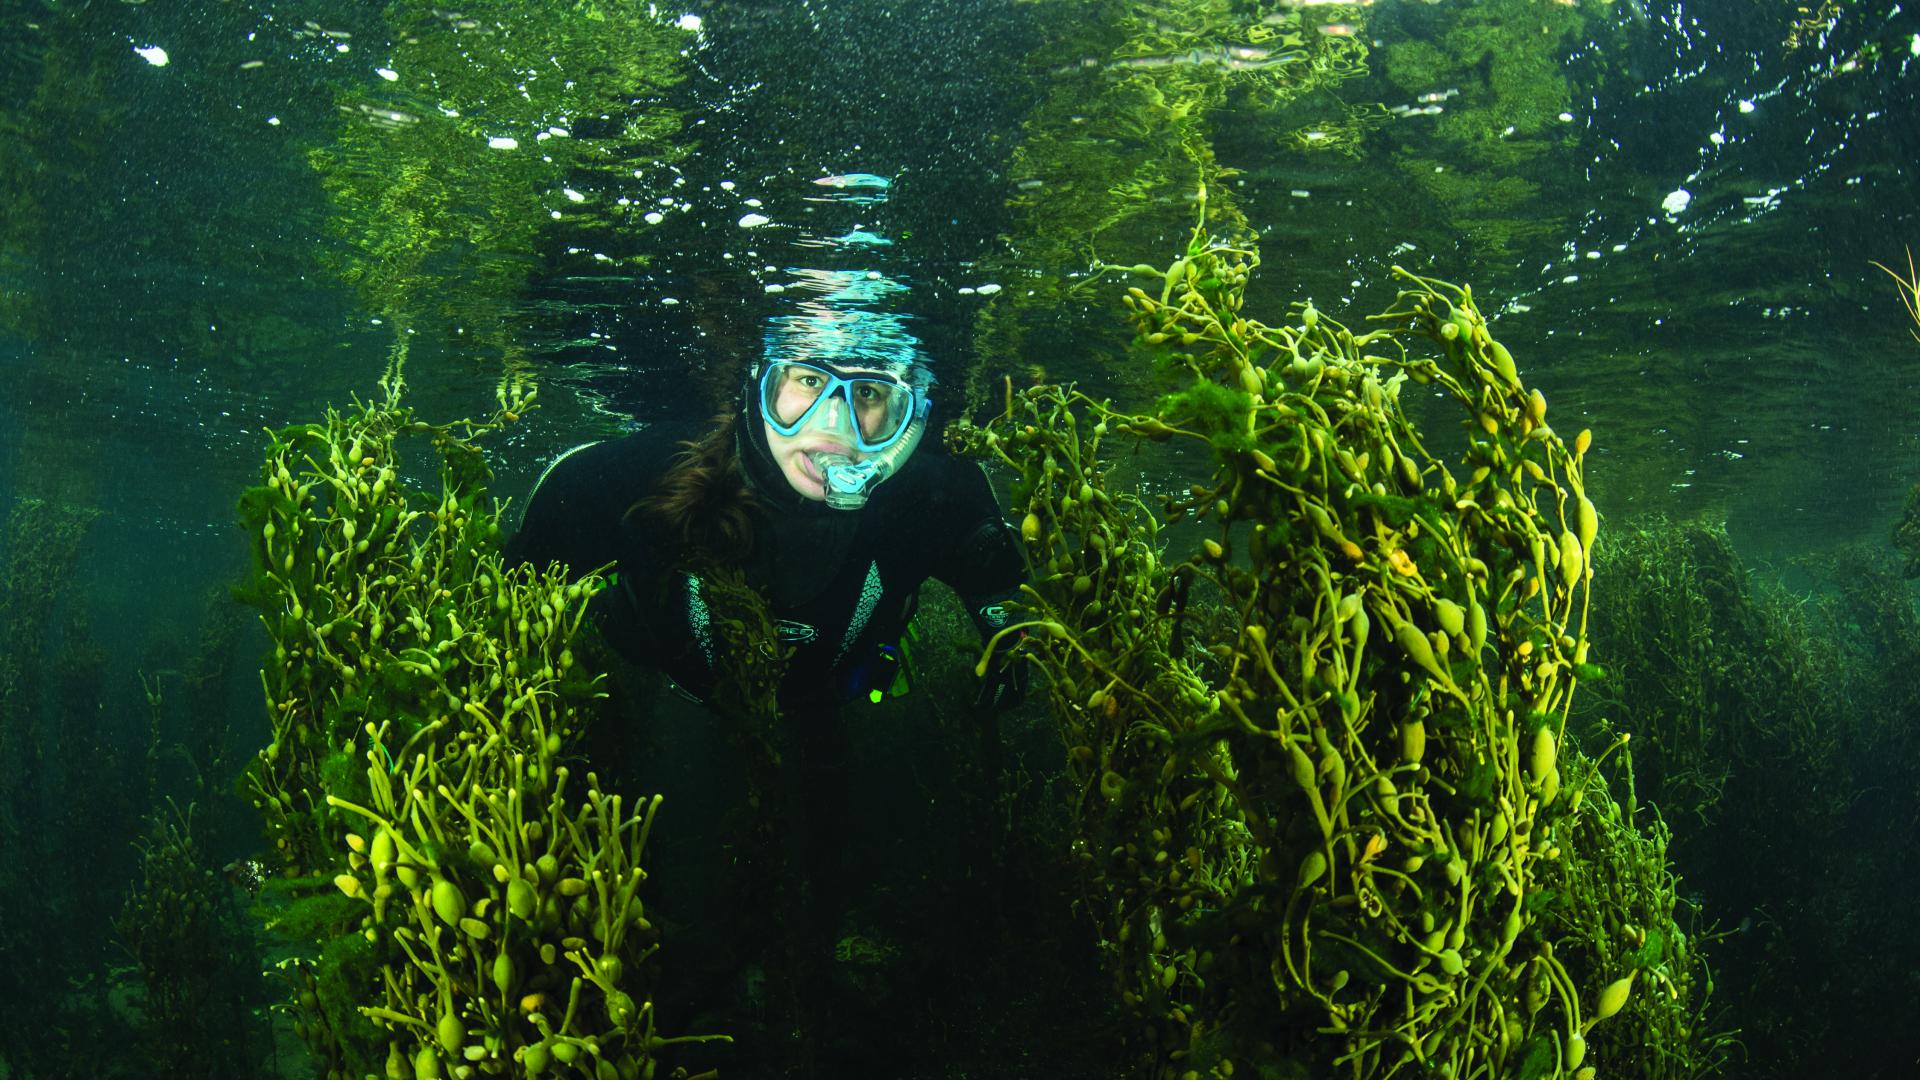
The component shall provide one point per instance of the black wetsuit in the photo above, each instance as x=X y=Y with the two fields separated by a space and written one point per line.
x=839 y=583
x=764 y=871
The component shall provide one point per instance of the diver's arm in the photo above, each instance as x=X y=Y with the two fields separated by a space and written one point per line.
x=988 y=573
x=556 y=518
x=986 y=568
x=573 y=516
x=979 y=555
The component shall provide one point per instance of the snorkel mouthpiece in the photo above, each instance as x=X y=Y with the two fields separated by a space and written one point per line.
x=849 y=482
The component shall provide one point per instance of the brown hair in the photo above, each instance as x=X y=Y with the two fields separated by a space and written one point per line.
x=703 y=505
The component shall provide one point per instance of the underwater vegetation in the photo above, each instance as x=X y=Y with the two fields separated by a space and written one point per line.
x=752 y=656
x=49 y=665
x=1673 y=622
x=1909 y=289
x=1778 y=724
x=463 y=901
x=196 y=998
x=198 y=740
x=125 y=954
x=43 y=549
x=1460 y=106
x=1131 y=96
x=1329 y=813
x=501 y=118
x=1906 y=534
x=196 y=965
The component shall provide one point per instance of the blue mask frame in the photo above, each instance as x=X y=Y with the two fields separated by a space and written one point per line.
x=842 y=385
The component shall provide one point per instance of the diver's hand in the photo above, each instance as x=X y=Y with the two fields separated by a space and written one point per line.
x=1005 y=683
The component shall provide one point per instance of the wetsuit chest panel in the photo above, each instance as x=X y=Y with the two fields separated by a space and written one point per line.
x=837 y=583
x=863 y=592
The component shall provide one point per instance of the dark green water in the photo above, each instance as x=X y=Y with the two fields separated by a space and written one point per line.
x=221 y=216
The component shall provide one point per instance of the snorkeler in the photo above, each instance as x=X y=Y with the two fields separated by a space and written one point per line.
x=818 y=490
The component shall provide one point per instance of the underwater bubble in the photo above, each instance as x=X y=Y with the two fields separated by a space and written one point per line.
x=391 y=118
x=751 y=221
x=388 y=74
x=152 y=54
x=504 y=142
x=1676 y=201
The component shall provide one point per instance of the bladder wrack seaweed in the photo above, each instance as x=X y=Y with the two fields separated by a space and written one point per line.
x=476 y=903
x=1327 y=801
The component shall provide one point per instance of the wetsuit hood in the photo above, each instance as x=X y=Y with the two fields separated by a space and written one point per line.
x=805 y=541
x=763 y=473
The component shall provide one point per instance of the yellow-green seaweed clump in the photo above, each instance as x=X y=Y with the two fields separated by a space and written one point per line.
x=470 y=896
x=1327 y=806
x=1132 y=95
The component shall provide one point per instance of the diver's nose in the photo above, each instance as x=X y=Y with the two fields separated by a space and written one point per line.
x=832 y=414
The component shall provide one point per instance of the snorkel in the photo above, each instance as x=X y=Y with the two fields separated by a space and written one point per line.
x=849 y=482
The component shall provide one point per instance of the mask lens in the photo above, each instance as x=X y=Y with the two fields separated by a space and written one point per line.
x=790 y=392
x=879 y=409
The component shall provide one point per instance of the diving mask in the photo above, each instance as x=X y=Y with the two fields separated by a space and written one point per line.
x=877 y=416
x=872 y=410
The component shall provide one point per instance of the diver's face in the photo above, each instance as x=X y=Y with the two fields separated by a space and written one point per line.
x=829 y=404
x=825 y=432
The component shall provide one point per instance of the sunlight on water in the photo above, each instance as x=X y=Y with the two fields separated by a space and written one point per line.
x=223 y=217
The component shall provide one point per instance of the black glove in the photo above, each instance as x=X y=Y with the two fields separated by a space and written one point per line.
x=1005 y=683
